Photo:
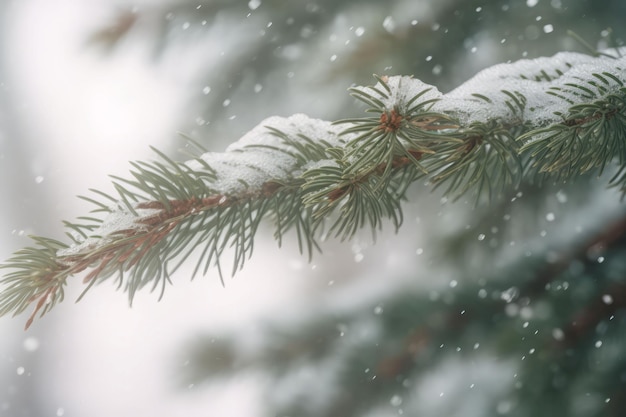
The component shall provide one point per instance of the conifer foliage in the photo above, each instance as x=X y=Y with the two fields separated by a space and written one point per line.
x=557 y=117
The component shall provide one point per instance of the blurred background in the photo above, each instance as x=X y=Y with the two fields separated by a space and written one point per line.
x=514 y=309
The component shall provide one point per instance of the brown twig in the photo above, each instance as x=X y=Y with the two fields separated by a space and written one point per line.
x=602 y=307
x=611 y=234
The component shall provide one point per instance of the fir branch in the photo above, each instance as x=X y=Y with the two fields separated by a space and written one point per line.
x=559 y=116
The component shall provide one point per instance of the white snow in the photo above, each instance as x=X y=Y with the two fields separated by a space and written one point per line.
x=538 y=91
x=261 y=156
x=531 y=80
x=403 y=89
x=118 y=220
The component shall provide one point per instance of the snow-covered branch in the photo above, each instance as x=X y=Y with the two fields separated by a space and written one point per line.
x=560 y=116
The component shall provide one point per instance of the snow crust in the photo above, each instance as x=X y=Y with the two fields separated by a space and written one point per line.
x=532 y=81
x=261 y=156
x=538 y=91
x=118 y=220
x=403 y=90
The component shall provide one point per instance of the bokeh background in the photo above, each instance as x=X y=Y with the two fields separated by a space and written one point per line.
x=465 y=311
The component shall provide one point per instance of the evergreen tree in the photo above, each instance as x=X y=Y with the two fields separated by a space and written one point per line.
x=525 y=313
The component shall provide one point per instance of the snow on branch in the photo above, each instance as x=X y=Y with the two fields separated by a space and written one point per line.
x=535 y=91
x=264 y=154
x=558 y=116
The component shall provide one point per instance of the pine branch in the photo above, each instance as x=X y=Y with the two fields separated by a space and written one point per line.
x=559 y=116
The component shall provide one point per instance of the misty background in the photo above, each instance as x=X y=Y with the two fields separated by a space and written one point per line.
x=87 y=86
